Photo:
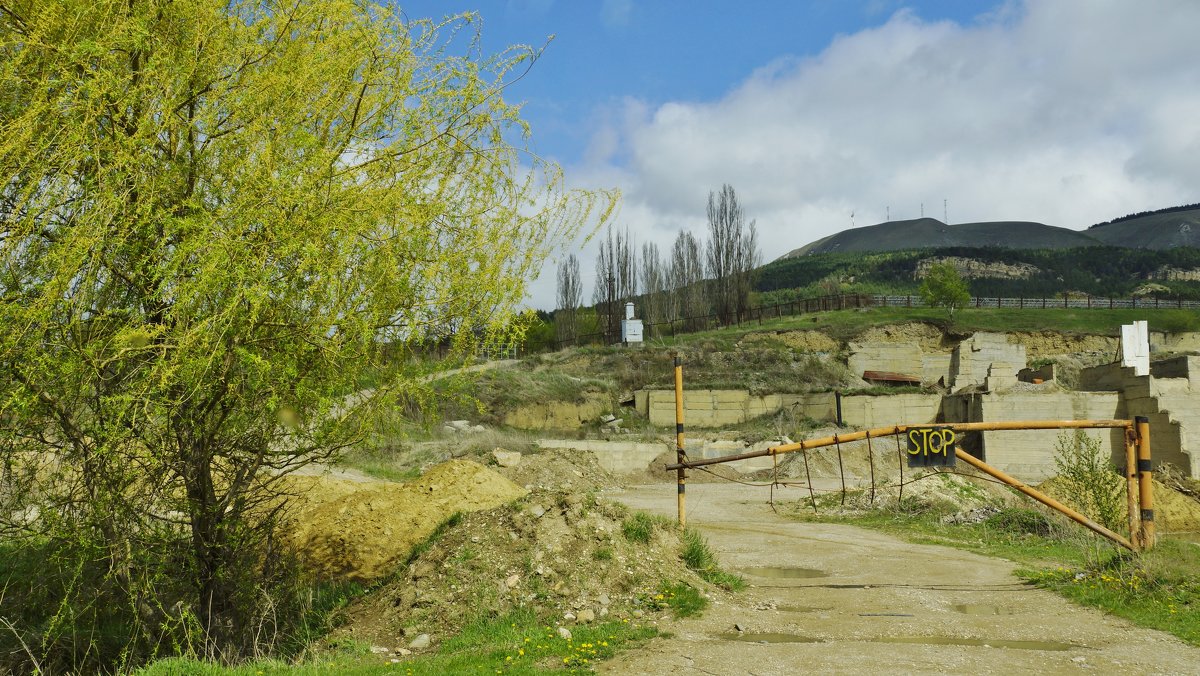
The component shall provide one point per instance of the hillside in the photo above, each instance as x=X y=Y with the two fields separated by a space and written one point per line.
x=932 y=233
x=1165 y=229
x=1095 y=270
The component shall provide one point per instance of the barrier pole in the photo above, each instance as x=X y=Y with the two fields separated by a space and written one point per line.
x=1145 y=482
x=1043 y=498
x=1131 y=486
x=680 y=455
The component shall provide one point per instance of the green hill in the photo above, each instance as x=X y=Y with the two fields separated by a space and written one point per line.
x=931 y=233
x=1163 y=229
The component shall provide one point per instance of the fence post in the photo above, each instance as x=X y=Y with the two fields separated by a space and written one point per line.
x=1145 y=482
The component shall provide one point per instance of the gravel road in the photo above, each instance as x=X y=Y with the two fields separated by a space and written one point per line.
x=827 y=598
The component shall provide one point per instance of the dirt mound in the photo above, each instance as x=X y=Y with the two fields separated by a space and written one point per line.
x=801 y=341
x=1046 y=343
x=558 y=415
x=357 y=530
x=554 y=469
x=928 y=336
x=555 y=553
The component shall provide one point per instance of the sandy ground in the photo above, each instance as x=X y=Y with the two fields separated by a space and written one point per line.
x=827 y=598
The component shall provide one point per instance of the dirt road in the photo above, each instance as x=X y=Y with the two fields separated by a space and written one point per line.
x=828 y=598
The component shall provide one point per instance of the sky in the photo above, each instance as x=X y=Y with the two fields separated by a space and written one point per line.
x=830 y=114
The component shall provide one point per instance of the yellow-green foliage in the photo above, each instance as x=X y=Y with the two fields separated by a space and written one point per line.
x=214 y=215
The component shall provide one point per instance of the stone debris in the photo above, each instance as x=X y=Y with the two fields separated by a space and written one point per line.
x=505 y=458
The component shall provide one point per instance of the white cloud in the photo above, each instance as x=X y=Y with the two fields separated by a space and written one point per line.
x=1067 y=112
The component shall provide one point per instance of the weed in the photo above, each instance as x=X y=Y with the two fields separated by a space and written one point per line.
x=683 y=600
x=1020 y=521
x=1089 y=478
x=603 y=554
x=639 y=527
x=698 y=556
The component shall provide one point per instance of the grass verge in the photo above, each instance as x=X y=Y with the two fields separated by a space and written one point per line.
x=516 y=643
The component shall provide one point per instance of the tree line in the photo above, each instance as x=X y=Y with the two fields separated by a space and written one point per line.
x=687 y=283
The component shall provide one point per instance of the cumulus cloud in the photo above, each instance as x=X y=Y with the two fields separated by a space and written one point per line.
x=1067 y=112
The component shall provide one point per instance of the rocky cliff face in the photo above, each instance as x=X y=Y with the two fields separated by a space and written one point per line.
x=1168 y=273
x=970 y=268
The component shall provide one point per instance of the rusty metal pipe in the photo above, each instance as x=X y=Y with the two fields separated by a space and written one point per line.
x=901 y=429
x=680 y=454
x=1145 y=483
x=1043 y=498
x=1131 y=487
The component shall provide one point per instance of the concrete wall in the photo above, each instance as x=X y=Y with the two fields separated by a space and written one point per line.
x=881 y=411
x=1172 y=404
x=721 y=408
x=906 y=358
x=1029 y=454
x=1174 y=342
x=982 y=355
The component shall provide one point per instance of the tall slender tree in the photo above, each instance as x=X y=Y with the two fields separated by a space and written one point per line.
x=731 y=254
x=569 y=295
x=616 y=281
x=654 y=285
x=687 y=280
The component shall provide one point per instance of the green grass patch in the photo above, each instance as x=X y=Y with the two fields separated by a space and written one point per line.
x=681 y=599
x=639 y=527
x=698 y=556
x=515 y=643
x=1159 y=589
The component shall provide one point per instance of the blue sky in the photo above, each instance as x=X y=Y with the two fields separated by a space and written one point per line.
x=604 y=52
x=828 y=114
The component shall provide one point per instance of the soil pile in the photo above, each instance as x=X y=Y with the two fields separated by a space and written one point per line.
x=800 y=341
x=355 y=530
x=931 y=338
x=561 y=554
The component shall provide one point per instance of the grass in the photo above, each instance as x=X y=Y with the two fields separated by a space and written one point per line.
x=683 y=600
x=515 y=643
x=847 y=324
x=698 y=556
x=639 y=527
x=1159 y=589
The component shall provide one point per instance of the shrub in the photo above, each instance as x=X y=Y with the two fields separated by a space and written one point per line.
x=1089 y=479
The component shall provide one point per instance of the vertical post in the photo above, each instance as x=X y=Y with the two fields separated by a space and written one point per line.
x=1145 y=482
x=837 y=402
x=1131 y=487
x=680 y=456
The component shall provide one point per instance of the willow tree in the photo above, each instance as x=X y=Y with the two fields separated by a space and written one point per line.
x=216 y=215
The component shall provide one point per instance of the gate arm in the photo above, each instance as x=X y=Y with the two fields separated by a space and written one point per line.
x=1043 y=498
